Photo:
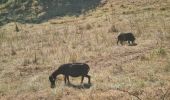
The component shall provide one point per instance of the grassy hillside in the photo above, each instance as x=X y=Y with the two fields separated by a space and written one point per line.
x=140 y=72
x=37 y=11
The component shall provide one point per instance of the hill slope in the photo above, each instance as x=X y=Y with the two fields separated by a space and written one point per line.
x=125 y=72
x=37 y=11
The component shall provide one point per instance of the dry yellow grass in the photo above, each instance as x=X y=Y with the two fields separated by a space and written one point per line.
x=28 y=57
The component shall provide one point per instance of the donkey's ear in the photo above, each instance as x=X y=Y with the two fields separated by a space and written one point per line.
x=50 y=78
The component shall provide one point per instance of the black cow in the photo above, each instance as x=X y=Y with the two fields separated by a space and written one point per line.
x=126 y=37
x=70 y=69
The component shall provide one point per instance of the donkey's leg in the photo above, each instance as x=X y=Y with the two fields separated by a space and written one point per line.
x=65 y=79
x=88 y=76
x=82 y=78
x=121 y=42
x=129 y=42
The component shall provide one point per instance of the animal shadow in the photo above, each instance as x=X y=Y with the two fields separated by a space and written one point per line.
x=134 y=44
x=81 y=86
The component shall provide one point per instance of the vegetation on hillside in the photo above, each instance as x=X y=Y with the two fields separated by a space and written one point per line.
x=36 y=11
x=30 y=52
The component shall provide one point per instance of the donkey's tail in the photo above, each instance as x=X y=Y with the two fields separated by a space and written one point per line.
x=117 y=41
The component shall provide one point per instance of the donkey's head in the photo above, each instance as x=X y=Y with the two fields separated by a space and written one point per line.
x=52 y=81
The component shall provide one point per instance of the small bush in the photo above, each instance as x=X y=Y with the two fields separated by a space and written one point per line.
x=112 y=29
x=122 y=6
x=167 y=67
x=52 y=22
x=118 y=69
x=26 y=62
x=144 y=58
x=141 y=84
x=128 y=12
x=13 y=52
x=99 y=25
x=80 y=27
x=161 y=51
x=163 y=9
x=88 y=26
x=152 y=77
x=16 y=28
x=35 y=61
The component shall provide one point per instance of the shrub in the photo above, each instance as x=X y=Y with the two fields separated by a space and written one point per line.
x=167 y=67
x=112 y=29
x=161 y=51
x=88 y=26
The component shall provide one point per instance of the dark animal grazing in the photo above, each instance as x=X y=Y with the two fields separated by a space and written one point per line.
x=70 y=69
x=126 y=37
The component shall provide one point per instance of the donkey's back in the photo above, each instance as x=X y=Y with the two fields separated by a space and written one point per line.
x=75 y=69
